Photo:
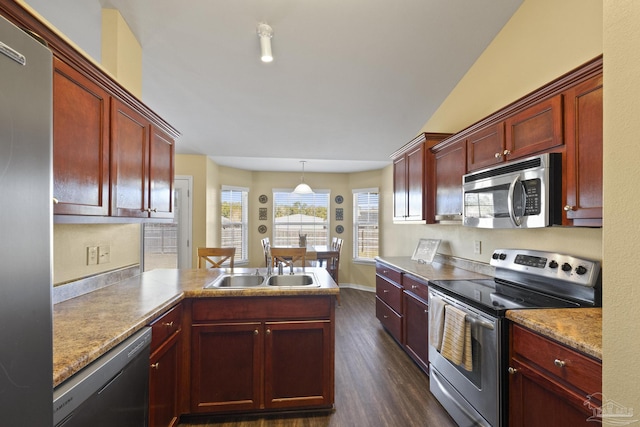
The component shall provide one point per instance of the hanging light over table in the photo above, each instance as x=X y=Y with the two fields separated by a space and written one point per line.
x=303 y=188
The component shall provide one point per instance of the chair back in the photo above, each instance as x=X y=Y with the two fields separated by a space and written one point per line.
x=288 y=256
x=334 y=265
x=215 y=257
x=266 y=246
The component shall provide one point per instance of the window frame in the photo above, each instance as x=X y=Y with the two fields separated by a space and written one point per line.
x=242 y=256
x=356 y=224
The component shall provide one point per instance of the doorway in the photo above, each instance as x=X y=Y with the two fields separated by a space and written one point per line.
x=168 y=245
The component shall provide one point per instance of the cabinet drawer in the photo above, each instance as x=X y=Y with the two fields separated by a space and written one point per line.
x=390 y=293
x=415 y=286
x=262 y=308
x=389 y=273
x=165 y=326
x=391 y=320
x=575 y=369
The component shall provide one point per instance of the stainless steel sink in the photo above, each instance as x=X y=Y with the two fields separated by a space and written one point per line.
x=237 y=281
x=305 y=280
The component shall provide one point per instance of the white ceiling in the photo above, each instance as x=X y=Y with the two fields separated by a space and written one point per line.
x=351 y=82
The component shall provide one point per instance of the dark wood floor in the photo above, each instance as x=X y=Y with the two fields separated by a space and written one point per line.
x=377 y=384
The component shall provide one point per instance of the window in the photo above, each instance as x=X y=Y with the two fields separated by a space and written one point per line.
x=365 y=224
x=296 y=214
x=234 y=217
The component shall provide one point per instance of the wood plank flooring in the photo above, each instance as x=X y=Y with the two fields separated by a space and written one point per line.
x=376 y=385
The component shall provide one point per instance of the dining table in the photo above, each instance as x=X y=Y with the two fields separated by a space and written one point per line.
x=320 y=253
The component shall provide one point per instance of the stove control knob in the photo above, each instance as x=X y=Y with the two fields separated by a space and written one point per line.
x=503 y=256
x=581 y=270
x=566 y=267
x=495 y=255
x=553 y=264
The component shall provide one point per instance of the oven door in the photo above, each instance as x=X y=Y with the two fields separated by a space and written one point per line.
x=479 y=388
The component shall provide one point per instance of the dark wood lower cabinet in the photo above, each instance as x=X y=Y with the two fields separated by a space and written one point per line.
x=164 y=384
x=416 y=330
x=551 y=385
x=280 y=358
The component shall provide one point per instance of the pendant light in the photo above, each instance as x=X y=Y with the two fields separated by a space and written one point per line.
x=303 y=188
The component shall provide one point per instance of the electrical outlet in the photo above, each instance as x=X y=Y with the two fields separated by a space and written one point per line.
x=92 y=255
x=477 y=247
x=104 y=254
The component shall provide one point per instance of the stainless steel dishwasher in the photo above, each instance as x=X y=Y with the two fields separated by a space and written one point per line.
x=112 y=391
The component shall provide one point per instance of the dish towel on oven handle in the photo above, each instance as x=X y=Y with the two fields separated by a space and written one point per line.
x=436 y=321
x=456 y=338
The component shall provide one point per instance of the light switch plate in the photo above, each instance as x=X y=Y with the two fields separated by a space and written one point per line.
x=92 y=255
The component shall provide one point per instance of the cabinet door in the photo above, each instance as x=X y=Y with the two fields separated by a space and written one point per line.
x=535 y=401
x=130 y=162
x=226 y=366
x=584 y=153
x=485 y=147
x=161 y=165
x=415 y=184
x=164 y=384
x=299 y=364
x=450 y=163
x=400 y=188
x=534 y=130
x=416 y=329
x=80 y=143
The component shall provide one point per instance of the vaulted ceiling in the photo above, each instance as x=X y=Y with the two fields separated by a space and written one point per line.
x=352 y=80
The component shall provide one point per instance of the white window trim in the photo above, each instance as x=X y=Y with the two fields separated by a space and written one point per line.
x=245 y=221
x=354 y=191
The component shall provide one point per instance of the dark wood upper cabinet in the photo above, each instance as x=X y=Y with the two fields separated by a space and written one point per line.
x=409 y=178
x=161 y=167
x=447 y=163
x=80 y=143
x=485 y=147
x=534 y=130
x=584 y=134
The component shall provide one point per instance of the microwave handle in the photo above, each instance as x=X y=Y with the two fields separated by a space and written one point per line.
x=510 y=201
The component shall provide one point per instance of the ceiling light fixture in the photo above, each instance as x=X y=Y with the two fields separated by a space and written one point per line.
x=265 y=32
x=303 y=188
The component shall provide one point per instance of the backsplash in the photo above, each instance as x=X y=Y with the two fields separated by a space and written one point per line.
x=90 y=284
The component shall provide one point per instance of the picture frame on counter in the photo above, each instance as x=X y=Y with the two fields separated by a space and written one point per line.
x=426 y=250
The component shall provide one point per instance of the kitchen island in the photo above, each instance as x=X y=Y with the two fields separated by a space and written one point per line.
x=89 y=325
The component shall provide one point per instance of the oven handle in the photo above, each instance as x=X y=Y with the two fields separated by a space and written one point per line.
x=476 y=321
x=471 y=318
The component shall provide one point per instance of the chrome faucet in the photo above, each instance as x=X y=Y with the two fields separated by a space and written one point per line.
x=280 y=272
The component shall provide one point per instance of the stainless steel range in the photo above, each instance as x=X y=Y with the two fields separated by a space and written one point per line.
x=468 y=339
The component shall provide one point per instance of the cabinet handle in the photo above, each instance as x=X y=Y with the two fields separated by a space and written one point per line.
x=568 y=208
x=559 y=363
x=268 y=331
x=255 y=332
x=155 y=366
x=506 y=152
x=512 y=370
x=385 y=271
x=414 y=287
x=385 y=316
x=384 y=291
x=151 y=210
x=168 y=325
x=55 y=201
x=498 y=155
x=426 y=311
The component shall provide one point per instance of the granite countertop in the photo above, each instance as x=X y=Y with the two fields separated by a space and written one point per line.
x=434 y=270
x=86 y=327
x=578 y=328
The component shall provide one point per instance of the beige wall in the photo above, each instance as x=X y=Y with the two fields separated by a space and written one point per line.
x=121 y=52
x=621 y=342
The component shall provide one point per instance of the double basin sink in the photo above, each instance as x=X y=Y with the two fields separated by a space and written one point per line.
x=245 y=280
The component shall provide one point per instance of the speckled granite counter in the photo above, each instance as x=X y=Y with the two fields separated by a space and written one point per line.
x=89 y=325
x=578 y=328
x=439 y=271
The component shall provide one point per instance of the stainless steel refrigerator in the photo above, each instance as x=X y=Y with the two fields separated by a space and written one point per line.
x=26 y=378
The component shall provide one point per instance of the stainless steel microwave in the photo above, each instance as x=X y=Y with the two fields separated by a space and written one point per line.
x=520 y=194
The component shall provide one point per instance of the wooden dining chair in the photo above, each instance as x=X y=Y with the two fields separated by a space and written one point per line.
x=333 y=265
x=288 y=256
x=266 y=246
x=215 y=256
